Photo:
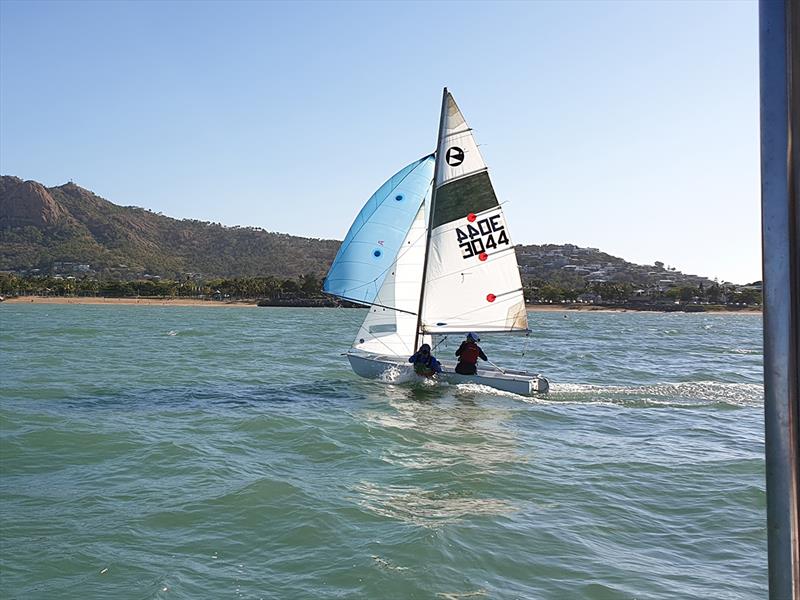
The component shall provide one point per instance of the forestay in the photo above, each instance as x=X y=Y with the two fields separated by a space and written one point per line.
x=369 y=249
x=472 y=280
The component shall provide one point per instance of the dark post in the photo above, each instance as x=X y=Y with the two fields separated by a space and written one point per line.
x=780 y=163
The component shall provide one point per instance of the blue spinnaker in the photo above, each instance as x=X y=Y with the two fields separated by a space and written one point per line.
x=370 y=247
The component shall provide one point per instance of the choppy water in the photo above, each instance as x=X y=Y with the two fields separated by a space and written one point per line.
x=153 y=452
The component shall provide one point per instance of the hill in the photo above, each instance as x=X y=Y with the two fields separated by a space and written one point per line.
x=574 y=267
x=70 y=229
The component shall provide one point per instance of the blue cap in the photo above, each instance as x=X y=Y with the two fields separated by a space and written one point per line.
x=473 y=337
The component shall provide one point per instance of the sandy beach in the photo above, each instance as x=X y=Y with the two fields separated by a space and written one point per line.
x=126 y=301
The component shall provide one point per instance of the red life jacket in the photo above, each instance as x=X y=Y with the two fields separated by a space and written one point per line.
x=469 y=353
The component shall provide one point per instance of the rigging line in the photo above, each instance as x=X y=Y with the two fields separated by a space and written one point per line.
x=527 y=342
x=439 y=343
x=408 y=312
x=419 y=163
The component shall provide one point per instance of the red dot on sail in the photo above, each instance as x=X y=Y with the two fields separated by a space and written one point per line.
x=491 y=298
x=483 y=256
x=471 y=217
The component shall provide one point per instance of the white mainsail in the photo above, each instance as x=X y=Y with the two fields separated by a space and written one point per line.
x=472 y=280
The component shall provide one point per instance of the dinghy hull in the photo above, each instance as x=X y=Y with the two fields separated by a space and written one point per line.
x=516 y=382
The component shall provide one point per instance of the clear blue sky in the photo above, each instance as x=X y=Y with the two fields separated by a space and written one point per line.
x=627 y=126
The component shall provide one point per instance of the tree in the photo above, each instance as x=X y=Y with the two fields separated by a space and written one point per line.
x=612 y=292
x=290 y=288
x=9 y=284
x=310 y=284
x=714 y=293
x=746 y=296
x=551 y=293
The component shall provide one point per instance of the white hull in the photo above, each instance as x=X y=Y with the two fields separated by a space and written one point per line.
x=375 y=366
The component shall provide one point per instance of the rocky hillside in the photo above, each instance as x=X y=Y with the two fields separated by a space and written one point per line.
x=69 y=229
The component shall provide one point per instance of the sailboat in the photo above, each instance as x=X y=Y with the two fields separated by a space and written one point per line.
x=431 y=256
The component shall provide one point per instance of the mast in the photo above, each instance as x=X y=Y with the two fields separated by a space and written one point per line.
x=430 y=219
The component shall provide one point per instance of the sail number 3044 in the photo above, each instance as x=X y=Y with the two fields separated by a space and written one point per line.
x=480 y=236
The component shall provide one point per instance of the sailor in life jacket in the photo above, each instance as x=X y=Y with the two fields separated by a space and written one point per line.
x=468 y=353
x=424 y=362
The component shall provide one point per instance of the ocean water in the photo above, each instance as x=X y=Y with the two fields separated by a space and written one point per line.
x=165 y=452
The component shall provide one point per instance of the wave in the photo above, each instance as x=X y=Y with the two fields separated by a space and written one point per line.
x=683 y=394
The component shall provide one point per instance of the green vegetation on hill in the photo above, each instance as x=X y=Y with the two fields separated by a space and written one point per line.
x=69 y=229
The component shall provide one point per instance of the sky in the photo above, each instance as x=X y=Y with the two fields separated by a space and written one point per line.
x=631 y=126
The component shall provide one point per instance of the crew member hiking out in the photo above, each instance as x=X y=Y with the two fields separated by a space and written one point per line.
x=468 y=353
x=425 y=364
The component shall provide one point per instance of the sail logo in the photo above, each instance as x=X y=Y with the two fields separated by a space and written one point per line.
x=482 y=235
x=454 y=156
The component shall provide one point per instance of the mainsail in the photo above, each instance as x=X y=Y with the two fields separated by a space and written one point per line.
x=374 y=240
x=472 y=280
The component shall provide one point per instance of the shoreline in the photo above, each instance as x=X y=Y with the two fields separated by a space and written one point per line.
x=622 y=309
x=100 y=301
x=186 y=302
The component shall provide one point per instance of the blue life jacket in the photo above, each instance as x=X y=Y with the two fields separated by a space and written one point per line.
x=428 y=362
